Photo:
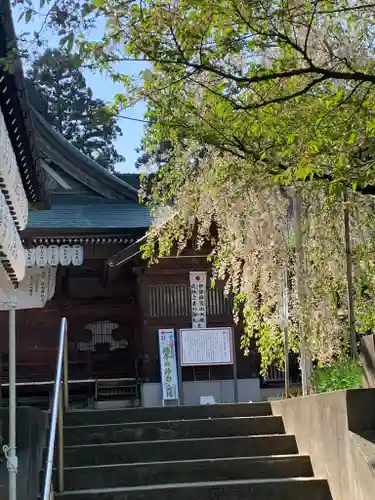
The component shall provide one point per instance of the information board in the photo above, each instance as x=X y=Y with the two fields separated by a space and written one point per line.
x=198 y=290
x=206 y=346
x=168 y=364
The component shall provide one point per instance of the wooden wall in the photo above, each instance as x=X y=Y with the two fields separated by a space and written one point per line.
x=164 y=302
x=122 y=308
x=103 y=325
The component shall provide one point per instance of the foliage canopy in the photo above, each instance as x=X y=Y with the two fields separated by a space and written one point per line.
x=252 y=97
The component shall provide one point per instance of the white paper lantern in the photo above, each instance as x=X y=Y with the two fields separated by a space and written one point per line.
x=30 y=257
x=53 y=255
x=51 y=282
x=65 y=255
x=33 y=292
x=41 y=255
x=77 y=255
x=19 y=265
x=43 y=291
x=11 y=178
x=10 y=242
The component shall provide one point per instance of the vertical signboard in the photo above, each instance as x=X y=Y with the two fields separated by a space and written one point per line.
x=168 y=365
x=198 y=289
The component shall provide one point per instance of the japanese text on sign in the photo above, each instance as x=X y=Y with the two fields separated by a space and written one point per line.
x=206 y=346
x=168 y=364
x=198 y=288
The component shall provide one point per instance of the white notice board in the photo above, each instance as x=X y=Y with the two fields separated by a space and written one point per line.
x=206 y=346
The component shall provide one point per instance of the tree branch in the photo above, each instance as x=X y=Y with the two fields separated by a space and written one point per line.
x=310 y=26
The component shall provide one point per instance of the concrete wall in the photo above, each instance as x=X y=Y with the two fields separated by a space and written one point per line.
x=31 y=439
x=334 y=429
x=270 y=393
x=368 y=360
x=221 y=390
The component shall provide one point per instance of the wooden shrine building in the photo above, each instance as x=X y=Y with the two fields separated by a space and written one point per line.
x=113 y=313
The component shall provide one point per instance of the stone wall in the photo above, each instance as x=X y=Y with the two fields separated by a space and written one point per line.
x=31 y=438
x=221 y=390
x=337 y=430
x=368 y=360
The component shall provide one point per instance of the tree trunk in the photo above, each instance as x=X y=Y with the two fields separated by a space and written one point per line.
x=305 y=355
x=349 y=279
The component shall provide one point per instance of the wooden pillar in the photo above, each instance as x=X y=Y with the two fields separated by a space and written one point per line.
x=144 y=342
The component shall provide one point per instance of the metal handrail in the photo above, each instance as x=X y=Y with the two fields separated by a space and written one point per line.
x=57 y=415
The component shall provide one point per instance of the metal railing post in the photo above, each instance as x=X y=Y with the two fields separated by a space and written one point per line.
x=66 y=374
x=60 y=463
x=57 y=415
x=11 y=453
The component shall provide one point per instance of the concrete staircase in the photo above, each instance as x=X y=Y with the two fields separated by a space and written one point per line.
x=221 y=452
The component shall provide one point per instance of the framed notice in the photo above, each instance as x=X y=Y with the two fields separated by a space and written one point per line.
x=206 y=346
x=168 y=364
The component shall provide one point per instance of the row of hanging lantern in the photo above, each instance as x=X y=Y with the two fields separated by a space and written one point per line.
x=53 y=255
x=34 y=291
x=13 y=213
x=11 y=249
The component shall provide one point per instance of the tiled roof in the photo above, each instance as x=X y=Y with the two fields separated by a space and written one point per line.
x=58 y=150
x=92 y=213
x=132 y=179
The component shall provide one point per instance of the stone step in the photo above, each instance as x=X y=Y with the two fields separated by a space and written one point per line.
x=118 y=416
x=182 y=449
x=168 y=430
x=277 y=489
x=188 y=471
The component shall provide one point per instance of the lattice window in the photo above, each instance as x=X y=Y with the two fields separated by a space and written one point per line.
x=170 y=300
x=102 y=333
x=274 y=374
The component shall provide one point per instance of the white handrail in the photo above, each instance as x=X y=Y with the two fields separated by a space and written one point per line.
x=57 y=416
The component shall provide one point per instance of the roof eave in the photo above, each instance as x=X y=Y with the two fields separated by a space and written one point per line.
x=15 y=108
x=60 y=151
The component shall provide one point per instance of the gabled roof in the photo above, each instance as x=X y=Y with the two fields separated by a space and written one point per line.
x=57 y=150
x=88 y=196
x=15 y=109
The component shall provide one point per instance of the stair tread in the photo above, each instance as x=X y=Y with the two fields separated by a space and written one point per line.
x=157 y=408
x=179 y=441
x=229 y=451
x=203 y=484
x=173 y=421
x=84 y=416
x=195 y=461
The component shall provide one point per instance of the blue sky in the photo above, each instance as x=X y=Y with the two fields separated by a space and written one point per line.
x=105 y=89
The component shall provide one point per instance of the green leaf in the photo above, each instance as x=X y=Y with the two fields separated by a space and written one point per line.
x=67 y=42
x=28 y=15
x=70 y=43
